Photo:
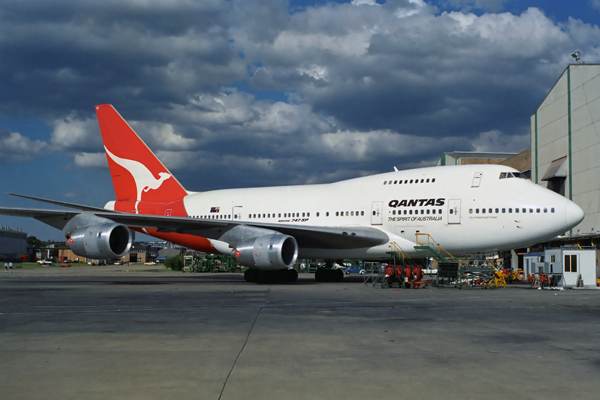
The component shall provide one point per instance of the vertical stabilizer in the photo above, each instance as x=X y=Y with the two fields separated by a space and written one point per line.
x=137 y=174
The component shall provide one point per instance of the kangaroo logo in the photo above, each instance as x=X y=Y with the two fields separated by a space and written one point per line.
x=144 y=179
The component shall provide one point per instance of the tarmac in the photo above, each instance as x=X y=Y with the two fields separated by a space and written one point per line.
x=122 y=332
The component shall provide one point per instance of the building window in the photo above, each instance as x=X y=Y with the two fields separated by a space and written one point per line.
x=570 y=262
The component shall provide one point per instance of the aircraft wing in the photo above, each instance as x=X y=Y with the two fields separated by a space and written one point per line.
x=229 y=231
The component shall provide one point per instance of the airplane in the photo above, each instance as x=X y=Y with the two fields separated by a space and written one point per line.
x=465 y=209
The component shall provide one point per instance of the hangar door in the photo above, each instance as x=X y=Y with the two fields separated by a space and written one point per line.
x=454 y=211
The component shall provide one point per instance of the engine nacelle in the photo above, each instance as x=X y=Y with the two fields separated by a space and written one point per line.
x=103 y=241
x=267 y=252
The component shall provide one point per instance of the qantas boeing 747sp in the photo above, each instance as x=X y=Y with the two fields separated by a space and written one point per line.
x=466 y=209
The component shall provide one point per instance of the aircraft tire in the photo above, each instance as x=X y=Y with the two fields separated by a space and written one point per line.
x=329 y=275
x=291 y=275
x=251 y=275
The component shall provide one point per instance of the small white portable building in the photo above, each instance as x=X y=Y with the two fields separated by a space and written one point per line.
x=529 y=263
x=578 y=266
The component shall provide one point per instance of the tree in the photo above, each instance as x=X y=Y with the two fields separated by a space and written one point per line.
x=34 y=242
x=175 y=263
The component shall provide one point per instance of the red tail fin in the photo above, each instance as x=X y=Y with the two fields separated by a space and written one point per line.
x=137 y=174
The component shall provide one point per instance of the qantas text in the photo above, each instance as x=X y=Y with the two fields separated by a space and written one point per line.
x=416 y=203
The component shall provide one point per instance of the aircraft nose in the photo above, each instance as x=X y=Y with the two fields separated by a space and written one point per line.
x=573 y=214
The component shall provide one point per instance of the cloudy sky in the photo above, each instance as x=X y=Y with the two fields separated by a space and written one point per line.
x=246 y=93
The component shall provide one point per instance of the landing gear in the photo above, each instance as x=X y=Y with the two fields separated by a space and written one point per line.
x=251 y=275
x=329 y=275
x=270 y=276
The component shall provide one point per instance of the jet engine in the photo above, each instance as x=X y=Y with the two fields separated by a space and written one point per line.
x=102 y=241
x=267 y=252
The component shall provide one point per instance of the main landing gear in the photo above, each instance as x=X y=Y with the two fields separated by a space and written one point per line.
x=328 y=273
x=270 y=276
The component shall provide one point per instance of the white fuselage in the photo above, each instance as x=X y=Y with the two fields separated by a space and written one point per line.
x=465 y=209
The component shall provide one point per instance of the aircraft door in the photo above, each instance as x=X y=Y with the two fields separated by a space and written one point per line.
x=377 y=213
x=236 y=213
x=476 y=180
x=454 y=211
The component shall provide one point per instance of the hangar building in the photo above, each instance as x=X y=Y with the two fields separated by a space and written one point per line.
x=13 y=243
x=565 y=142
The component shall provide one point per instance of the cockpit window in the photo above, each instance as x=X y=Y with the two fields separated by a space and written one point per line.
x=505 y=175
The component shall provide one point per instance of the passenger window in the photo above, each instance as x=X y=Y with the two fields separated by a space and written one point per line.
x=400 y=182
x=394 y=212
x=451 y=211
x=427 y=181
x=422 y=211
x=552 y=210
x=404 y=212
x=410 y=212
x=433 y=180
x=385 y=182
x=531 y=210
x=308 y=214
x=411 y=181
x=317 y=213
x=517 y=210
x=327 y=214
x=503 y=210
x=422 y=180
x=347 y=213
x=337 y=213
x=352 y=213
x=427 y=211
x=545 y=210
x=476 y=211
x=433 y=211
x=483 y=210
x=362 y=213
x=510 y=210
x=490 y=211
x=395 y=182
